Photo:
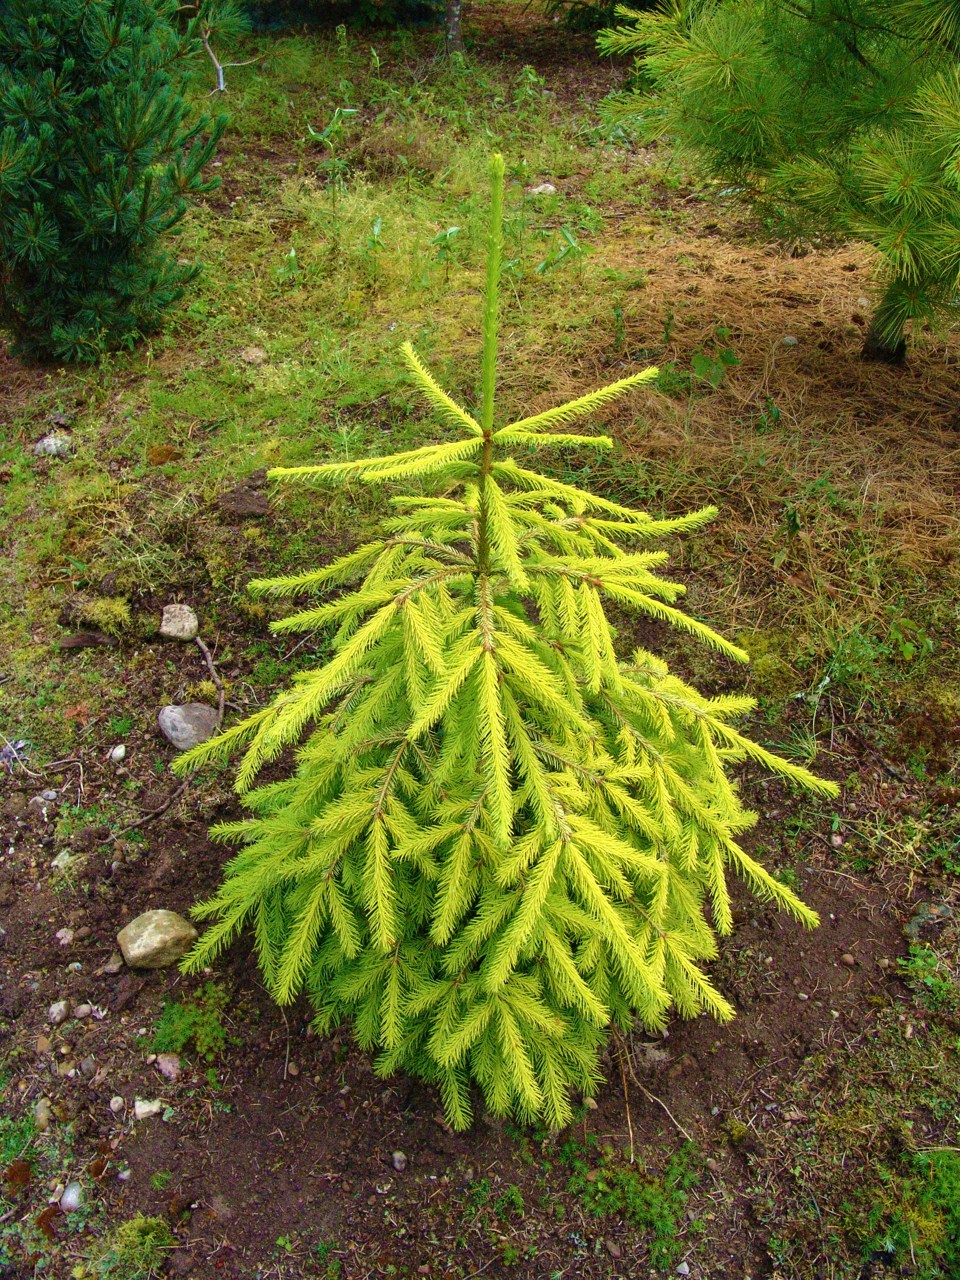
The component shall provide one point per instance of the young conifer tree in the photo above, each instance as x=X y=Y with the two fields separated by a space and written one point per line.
x=501 y=837
x=100 y=152
x=839 y=117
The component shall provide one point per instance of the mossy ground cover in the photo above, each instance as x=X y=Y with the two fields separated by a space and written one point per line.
x=833 y=562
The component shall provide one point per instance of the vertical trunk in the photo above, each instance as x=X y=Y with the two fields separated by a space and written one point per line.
x=878 y=346
x=885 y=341
x=454 y=39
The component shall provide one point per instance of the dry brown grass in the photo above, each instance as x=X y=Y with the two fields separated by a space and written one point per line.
x=865 y=456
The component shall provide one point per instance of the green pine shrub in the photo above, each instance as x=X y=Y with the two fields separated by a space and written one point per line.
x=360 y=13
x=583 y=15
x=500 y=837
x=833 y=118
x=98 y=159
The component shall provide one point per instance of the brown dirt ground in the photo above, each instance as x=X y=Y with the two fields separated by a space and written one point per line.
x=296 y=1140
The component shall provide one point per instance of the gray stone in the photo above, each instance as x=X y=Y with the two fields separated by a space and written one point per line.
x=179 y=622
x=544 y=189
x=144 y=1109
x=188 y=725
x=156 y=939
x=117 y=1104
x=58 y=1012
x=54 y=445
x=72 y=1197
x=789 y=341
x=168 y=1064
x=118 y=753
x=399 y=1161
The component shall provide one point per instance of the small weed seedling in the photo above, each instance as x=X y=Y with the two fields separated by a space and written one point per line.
x=571 y=250
x=652 y=1204
x=198 y=1021
x=334 y=166
x=443 y=241
x=711 y=363
x=931 y=979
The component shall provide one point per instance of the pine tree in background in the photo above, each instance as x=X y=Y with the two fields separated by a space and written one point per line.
x=841 y=117
x=98 y=159
x=500 y=838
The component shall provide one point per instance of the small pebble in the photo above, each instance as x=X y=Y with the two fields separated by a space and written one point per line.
x=293 y=1069
x=42 y=1114
x=179 y=622
x=168 y=1064
x=613 y=1249
x=788 y=341
x=544 y=189
x=71 y=1198
x=399 y=1161
x=118 y=753
x=123 y=1175
x=58 y=1012
x=683 y=1269
x=802 y=996
x=48 y=795
x=83 y=1010
x=590 y=1104
x=44 y=1045
x=64 y=937
x=114 y=964
x=117 y=1104
x=883 y=964
x=88 y=1067
x=848 y=960
x=143 y=1110
x=837 y=840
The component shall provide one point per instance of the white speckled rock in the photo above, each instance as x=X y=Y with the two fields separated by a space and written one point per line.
x=188 y=725
x=54 y=445
x=156 y=939
x=179 y=622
